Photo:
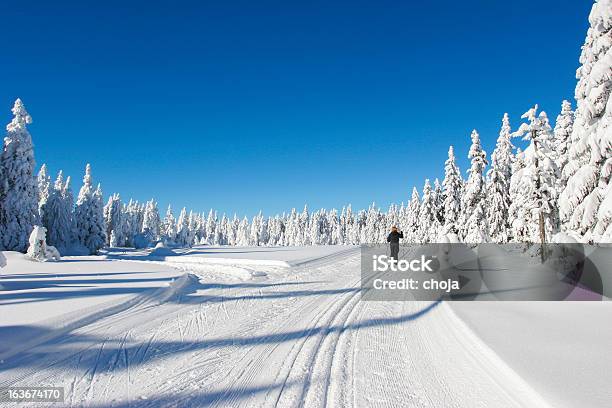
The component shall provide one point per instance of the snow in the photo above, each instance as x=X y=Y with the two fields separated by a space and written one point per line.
x=128 y=328
x=562 y=349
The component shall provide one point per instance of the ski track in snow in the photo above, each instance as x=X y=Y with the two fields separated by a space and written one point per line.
x=299 y=338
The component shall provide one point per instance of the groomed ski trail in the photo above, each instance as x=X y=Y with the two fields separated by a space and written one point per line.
x=301 y=338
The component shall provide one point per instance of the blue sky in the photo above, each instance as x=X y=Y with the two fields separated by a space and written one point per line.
x=242 y=105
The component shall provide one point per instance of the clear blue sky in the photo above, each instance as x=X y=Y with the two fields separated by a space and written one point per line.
x=242 y=105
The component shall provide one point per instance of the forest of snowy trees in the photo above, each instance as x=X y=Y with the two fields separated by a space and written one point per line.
x=559 y=183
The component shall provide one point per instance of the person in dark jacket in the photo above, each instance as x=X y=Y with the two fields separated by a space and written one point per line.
x=393 y=240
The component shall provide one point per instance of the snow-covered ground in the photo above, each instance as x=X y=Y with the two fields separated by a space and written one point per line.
x=215 y=326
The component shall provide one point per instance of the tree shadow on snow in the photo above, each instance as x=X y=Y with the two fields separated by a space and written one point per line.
x=104 y=349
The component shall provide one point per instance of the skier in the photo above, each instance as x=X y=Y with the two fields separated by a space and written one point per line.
x=393 y=240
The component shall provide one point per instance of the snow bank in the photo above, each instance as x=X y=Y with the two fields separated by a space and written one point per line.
x=199 y=260
x=162 y=251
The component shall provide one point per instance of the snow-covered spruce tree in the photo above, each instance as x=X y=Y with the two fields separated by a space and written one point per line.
x=89 y=215
x=211 y=223
x=586 y=201
x=38 y=250
x=538 y=180
x=474 y=225
x=438 y=194
x=391 y=219
x=518 y=213
x=561 y=145
x=223 y=230
x=198 y=227
x=264 y=234
x=98 y=235
x=232 y=237
x=315 y=233
x=242 y=236
x=291 y=228
x=302 y=227
x=58 y=215
x=428 y=222
x=113 y=243
x=369 y=231
x=498 y=185
x=411 y=232
x=44 y=190
x=193 y=225
x=346 y=225
x=359 y=226
x=333 y=222
x=113 y=218
x=182 y=228
x=254 y=230
x=151 y=221
x=18 y=189
x=275 y=231
x=169 y=227
x=453 y=190
x=133 y=215
x=352 y=227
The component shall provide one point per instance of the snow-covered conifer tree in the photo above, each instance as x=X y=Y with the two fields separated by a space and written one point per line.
x=586 y=201
x=314 y=229
x=182 y=228
x=254 y=230
x=352 y=228
x=18 y=189
x=474 y=225
x=453 y=190
x=291 y=228
x=242 y=236
x=233 y=234
x=151 y=221
x=264 y=234
x=518 y=214
x=369 y=232
x=438 y=195
x=193 y=226
x=89 y=215
x=224 y=230
x=335 y=237
x=274 y=231
x=169 y=226
x=412 y=227
x=498 y=185
x=44 y=191
x=538 y=180
x=561 y=145
x=211 y=223
x=428 y=221
x=58 y=215
x=303 y=226
x=133 y=216
x=113 y=218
